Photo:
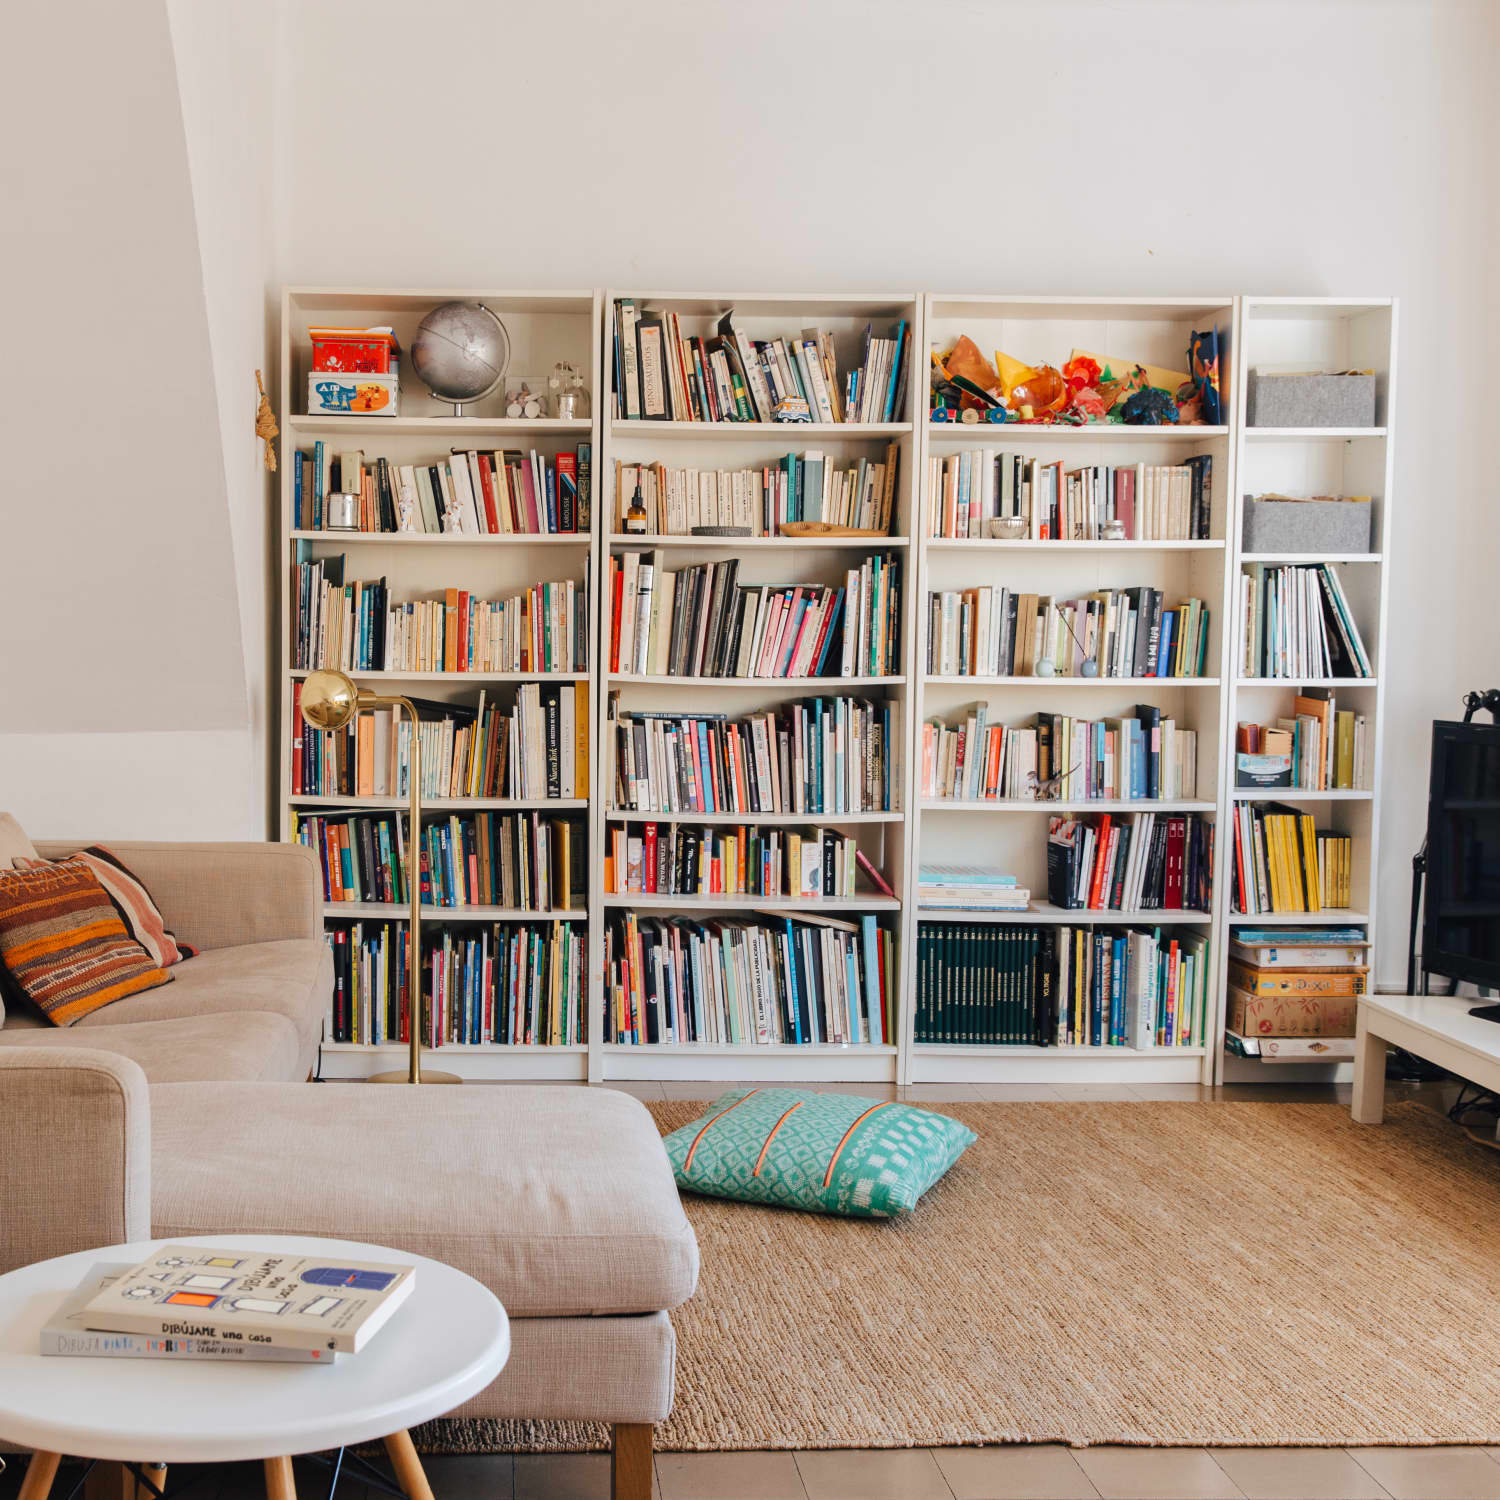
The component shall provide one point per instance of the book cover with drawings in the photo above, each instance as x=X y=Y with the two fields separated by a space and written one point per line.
x=245 y=1296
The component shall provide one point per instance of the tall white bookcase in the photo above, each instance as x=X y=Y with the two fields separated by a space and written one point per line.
x=1256 y=332
x=543 y=327
x=1287 y=334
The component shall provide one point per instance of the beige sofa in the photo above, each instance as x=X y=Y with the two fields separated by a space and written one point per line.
x=560 y=1200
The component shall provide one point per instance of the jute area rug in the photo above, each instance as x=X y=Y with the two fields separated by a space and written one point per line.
x=1172 y=1273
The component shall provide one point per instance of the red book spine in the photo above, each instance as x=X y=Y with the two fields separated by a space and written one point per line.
x=1101 y=844
x=648 y=860
x=1176 y=838
x=487 y=484
x=616 y=605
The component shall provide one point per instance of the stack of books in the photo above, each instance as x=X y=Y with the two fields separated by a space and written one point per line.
x=516 y=985
x=969 y=888
x=1319 y=748
x=665 y=375
x=1130 y=758
x=799 y=487
x=1142 y=862
x=1151 y=502
x=992 y=632
x=682 y=859
x=471 y=493
x=1013 y=985
x=1298 y=623
x=800 y=980
x=1284 y=863
x=189 y=1302
x=702 y=622
x=1294 y=995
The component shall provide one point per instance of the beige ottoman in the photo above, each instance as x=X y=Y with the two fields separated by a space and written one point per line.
x=560 y=1200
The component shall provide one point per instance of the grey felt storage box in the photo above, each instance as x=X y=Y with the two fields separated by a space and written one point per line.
x=1310 y=400
x=1283 y=526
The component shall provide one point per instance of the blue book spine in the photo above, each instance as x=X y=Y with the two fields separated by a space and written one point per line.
x=870 y=939
x=708 y=780
x=1117 y=992
x=888 y=415
x=318 y=496
x=1164 y=647
x=852 y=995
x=833 y=630
x=551 y=472
x=298 y=523
x=794 y=1006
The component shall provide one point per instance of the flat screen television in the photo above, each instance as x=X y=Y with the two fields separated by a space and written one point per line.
x=1461 y=923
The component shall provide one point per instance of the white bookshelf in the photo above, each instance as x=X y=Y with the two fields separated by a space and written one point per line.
x=881 y=835
x=544 y=327
x=1012 y=834
x=1316 y=333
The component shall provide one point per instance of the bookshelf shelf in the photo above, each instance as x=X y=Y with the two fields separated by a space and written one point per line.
x=1299 y=794
x=811 y=687
x=785 y=432
x=381 y=676
x=762 y=543
x=770 y=819
x=1330 y=916
x=965 y=1049
x=1045 y=911
x=425 y=539
x=1311 y=434
x=444 y=427
x=1301 y=682
x=1310 y=557
x=448 y=804
x=934 y=679
x=1027 y=544
x=1008 y=434
x=830 y=905
x=378 y=909
x=1097 y=804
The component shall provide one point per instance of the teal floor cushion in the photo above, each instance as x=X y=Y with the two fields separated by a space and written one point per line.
x=830 y=1153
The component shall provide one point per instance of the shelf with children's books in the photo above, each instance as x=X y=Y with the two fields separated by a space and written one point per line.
x=1279 y=336
x=485 y=505
x=1102 y=540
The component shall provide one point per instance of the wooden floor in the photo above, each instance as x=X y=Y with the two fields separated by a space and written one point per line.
x=1041 y=1472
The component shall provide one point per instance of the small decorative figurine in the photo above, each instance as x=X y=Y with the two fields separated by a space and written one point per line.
x=524 y=402
x=1150 y=407
x=567 y=392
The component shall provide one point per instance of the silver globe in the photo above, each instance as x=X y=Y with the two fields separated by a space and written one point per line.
x=460 y=352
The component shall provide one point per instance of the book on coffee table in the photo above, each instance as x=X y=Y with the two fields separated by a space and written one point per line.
x=240 y=1296
x=66 y=1333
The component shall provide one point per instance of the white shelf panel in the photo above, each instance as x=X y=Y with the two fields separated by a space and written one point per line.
x=747 y=1049
x=382 y=676
x=978 y=1049
x=932 y=678
x=1310 y=557
x=1001 y=434
x=1098 y=804
x=379 y=910
x=445 y=538
x=445 y=427
x=761 y=543
x=1029 y=544
x=1299 y=794
x=816 y=686
x=770 y=819
x=1046 y=912
x=1302 y=682
x=1311 y=434
x=1330 y=916
x=791 y=431
x=632 y=901
x=934 y=1062
x=446 y=804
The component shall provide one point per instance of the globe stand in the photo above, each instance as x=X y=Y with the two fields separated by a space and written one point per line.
x=460 y=353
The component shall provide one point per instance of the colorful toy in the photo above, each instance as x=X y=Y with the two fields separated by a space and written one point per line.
x=1150 y=407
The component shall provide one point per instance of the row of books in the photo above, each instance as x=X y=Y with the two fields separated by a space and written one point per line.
x=663 y=374
x=539 y=747
x=1141 y=755
x=1056 y=985
x=969 y=888
x=521 y=861
x=1151 y=502
x=519 y=984
x=818 y=756
x=1318 y=748
x=701 y=621
x=1292 y=993
x=1298 y=623
x=801 y=980
x=1141 y=862
x=356 y=627
x=1284 y=863
x=473 y=492
x=993 y=632
x=679 y=859
x=799 y=487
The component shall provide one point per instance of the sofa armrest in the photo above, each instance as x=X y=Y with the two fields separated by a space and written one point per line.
x=223 y=895
x=75 y=1152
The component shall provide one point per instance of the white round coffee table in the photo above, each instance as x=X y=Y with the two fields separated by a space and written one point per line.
x=445 y=1343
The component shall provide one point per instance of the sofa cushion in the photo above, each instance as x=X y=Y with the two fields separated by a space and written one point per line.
x=560 y=1200
x=293 y=978
x=248 y=1045
x=13 y=845
x=62 y=942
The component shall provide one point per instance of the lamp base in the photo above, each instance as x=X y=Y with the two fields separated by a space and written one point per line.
x=403 y=1075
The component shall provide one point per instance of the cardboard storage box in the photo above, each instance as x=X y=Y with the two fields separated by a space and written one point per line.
x=330 y=393
x=1310 y=400
x=1298 y=981
x=1291 y=1015
x=1307 y=525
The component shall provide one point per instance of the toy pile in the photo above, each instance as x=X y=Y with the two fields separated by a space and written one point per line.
x=1088 y=390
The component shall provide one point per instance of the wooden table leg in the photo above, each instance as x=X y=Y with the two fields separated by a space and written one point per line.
x=630 y=1461
x=279 y=1482
x=40 y=1473
x=109 y=1480
x=1368 y=1105
x=408 y=1466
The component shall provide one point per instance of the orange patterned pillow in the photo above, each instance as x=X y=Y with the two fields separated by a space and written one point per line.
x=63 y=945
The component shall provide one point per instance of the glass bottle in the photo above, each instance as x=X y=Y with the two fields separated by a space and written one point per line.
x=635 y=517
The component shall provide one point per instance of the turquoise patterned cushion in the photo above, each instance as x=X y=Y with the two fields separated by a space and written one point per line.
x=830 y=1153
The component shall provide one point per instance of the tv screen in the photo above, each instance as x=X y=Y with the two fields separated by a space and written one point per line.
x=1461 y=927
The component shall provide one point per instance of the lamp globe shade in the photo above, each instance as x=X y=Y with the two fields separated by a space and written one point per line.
x=329 y=700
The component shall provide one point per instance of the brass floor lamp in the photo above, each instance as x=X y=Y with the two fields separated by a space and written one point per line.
x=330 y=700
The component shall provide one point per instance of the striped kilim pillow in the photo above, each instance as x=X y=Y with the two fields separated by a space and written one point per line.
x=63 y=944
x=830 y=1153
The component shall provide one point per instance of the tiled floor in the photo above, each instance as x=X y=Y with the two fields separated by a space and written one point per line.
x=1041 y=1472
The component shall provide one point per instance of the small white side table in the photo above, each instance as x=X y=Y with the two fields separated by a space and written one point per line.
x=444 y=1344
x=1438 y=1028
